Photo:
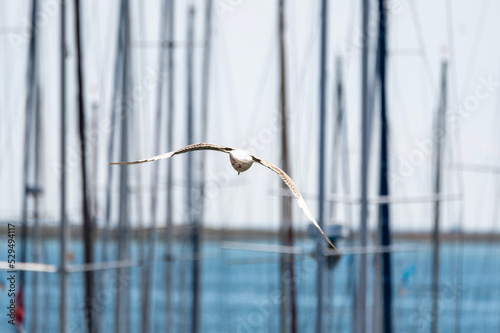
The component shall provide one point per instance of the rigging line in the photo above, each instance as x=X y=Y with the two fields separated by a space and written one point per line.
x=475 y=47
x=264 y=80
x=425 y=63
x=412 y=218
x=138 y=144
x=308 y=77
x=349 y=40
x=101 y=74
x=343 y=144
x=303 y=81
x=141 y=68
x=454 y=88
x=305 y=67
x=425 y=56
x=260 y=94
x=228 y=77
x=292 y=44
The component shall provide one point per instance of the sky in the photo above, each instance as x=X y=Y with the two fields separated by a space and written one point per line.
x=244 y=107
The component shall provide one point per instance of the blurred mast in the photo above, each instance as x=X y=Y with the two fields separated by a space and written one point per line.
x=148 y=273
x=337 y=125
x=204 y=99
x=107 y=226
x=122 y=296
x=383 y=262
x=321 y=171
x=287 y=237
x=64 y=235
x=360 y=317
x=29 y=189
x=338 y=115
x=87 y=217
x=170 y=128
x=193 y=214
x=438 y=169
x=35 y=191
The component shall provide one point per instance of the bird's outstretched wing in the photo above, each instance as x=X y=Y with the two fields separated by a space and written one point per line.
x=291 y=185
x=197 y=146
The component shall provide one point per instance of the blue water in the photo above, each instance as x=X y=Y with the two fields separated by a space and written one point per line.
x=241 y=290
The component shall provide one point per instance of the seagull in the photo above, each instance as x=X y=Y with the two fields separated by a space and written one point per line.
x=241 y=161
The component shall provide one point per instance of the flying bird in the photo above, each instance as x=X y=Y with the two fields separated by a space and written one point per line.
x=241 y=160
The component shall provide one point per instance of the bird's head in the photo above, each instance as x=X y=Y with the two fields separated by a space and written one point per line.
x=241 y=160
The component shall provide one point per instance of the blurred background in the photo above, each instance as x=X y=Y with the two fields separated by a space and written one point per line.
x=384 y=113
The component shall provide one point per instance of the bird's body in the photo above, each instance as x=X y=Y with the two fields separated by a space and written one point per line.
x=241 y=161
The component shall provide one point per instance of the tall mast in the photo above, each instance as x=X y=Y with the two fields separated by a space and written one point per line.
x=286 y=260
x=204 y=99
x=121 y=298
x=438 y=168
x=35 y=191
x=169 y=205
x=331 y=261
x=87 y=218
x=148 y=273
x=64 y=235
x=337 y=125
x=30 y=114
x=321 y=172
x=28 y=189
x=360 y=320
x=385 y=235
x=192 y=213
x=115 y=106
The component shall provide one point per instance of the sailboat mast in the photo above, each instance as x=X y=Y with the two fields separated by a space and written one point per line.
x=122 y=297
x=107 y=226
x=64 y=235
x=440 y=134
x=204 y=99
x=360 y=320
x=32 y=105
x=287 y=237
x=192 y=213
x=148 y=274
x=321 y=172
x=87 y=218
x=35 y=191
x=337 y=140
x=385 y=234
x=169 y=205
x=337 y=125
